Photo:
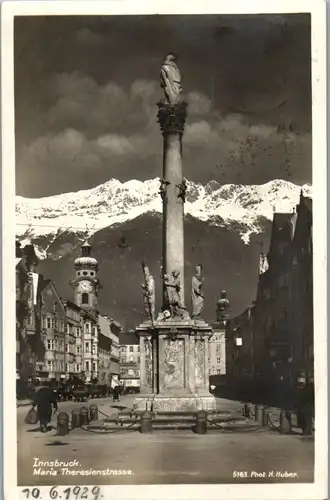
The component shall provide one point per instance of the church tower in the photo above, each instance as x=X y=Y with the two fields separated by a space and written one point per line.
x=86 y=284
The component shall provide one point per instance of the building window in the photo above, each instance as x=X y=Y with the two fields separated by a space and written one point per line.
x=87 y=346
x=49 y=323
x=78 y=331
x=218 y=371
x=93 y=348
x=48 y=345
x=218 y=349
x=78 y=368
x=66 y=348
x=67 y=328
x=86 y=327
x=78 y=350
x=87 y=366
x=84 y=298
x=131 y=348
x=94 y=367
x=218 y=361
x=66 y=367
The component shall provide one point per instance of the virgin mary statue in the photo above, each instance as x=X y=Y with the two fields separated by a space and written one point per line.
x=170 y=79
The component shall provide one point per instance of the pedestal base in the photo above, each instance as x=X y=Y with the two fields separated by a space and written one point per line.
x=174 y=366
x=171 y=403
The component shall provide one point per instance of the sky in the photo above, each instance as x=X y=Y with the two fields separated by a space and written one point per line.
x=86 y=90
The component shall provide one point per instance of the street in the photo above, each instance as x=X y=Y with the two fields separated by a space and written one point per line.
x=163 y=457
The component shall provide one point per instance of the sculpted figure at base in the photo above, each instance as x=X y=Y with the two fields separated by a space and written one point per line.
x=170 y=79
x=148 y=288
x=172 y=292
x=197 y=295
x=223 y=307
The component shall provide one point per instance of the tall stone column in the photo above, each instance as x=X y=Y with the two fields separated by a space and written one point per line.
x=171 y=118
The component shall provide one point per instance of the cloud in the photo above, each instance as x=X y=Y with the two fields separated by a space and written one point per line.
x=198 y=104
x=106 y=130
x=123 y=146
x=199 y=134
x=83 y=104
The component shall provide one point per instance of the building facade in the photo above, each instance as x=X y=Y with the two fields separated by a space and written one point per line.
x=129 y=365
x=277 y=331
x=73 y=361
x=59 y=339
x=108 y=351
x=53 y=333
x=217 y=350
x=29 y=345
x=217 y=343
x=240 y=356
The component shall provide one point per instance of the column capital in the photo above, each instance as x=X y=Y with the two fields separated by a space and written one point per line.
x=172 y=117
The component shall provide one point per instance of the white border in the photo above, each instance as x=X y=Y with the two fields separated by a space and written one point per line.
x=317 y=8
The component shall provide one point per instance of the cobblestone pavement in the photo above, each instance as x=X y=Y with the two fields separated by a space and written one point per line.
x=164 y=457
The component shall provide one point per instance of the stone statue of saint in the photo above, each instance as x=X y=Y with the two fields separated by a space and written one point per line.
x=223 y=307
x=197 y=295
x=148 y=288
x=170 y=79
x=182 y=190
x=162 y=188
x=172 y=288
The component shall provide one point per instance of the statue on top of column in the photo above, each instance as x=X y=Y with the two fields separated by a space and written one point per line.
x=170 y=79
x=148 y=288
x=197 y=295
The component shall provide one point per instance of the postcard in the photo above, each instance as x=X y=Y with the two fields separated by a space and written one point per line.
x=164 y=210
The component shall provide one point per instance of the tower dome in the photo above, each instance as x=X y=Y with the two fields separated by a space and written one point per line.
x=86 y=283
x=86 y=260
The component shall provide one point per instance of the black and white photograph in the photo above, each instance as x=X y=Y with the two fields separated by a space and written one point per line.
x=164 y=176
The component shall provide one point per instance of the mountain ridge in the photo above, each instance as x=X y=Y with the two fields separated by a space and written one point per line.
x=242 y=207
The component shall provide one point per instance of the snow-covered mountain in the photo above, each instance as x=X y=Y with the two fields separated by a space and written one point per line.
x=237 y=207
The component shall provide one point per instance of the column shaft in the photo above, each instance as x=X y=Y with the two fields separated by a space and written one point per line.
x=142 y=365
x=173 y=212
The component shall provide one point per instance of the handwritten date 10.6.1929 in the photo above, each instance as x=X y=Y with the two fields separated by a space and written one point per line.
x=70 y=493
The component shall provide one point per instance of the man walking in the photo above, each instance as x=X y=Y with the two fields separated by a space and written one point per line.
x=116 y=392
x=305 y=405
x=44 y=400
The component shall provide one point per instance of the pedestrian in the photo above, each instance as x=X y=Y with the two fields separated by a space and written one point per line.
x=305 y=405
x=44 y=399
x=116 y=392
x=308 y=409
